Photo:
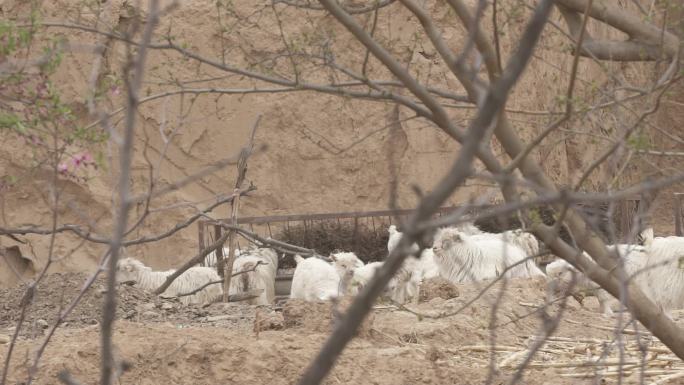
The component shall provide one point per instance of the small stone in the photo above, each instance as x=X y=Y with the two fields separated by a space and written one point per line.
x=130 y=314
x=4 y=339
x=166 y=306
x=42 y=323
x=150 y=314
x=147 y=306
x=433 y=354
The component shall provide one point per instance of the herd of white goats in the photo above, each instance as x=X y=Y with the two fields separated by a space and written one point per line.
x=459 y=254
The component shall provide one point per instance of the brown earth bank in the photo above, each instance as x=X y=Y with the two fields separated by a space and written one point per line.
x=313 y=162
x=165 y=343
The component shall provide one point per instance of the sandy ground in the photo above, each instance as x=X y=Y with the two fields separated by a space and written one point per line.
x=166 y=343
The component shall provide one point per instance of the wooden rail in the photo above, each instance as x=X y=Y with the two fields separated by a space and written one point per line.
x=679 y=214
x=338 y=215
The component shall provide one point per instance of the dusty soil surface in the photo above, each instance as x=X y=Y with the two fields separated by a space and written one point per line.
x=56 y=291
x=449 y=342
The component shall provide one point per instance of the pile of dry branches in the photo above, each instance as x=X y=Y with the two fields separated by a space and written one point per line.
x=326 y=236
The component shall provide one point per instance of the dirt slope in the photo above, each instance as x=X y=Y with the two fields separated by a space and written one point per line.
x=324 y=153
x=219 y=345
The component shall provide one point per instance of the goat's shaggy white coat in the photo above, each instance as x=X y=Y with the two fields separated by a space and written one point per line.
x=664 y=271
x=263 y=277
x=525 y=241
x=130 y=269
x=463 y=258
x=315 y=280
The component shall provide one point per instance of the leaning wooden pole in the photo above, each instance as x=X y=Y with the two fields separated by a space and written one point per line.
x=235 y=205
x=228 y=267
x=679 y=226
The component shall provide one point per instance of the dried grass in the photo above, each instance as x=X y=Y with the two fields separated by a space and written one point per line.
x=327 y=236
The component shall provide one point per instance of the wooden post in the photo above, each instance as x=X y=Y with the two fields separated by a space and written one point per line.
x=219 y=251
x=231 y=244
x=200 y=235
x=235 y=205
x=679 y=214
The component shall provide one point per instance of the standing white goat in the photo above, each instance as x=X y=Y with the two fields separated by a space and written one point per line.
x=461 y=258
x=130 y=269
x=264 y=265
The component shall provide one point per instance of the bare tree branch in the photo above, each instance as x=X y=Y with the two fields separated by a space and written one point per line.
x=351 y=9
x=493 y=102
x=608 y=49
x=638 y=30
x=85 y=233
x=242 y=173
x=137 y=68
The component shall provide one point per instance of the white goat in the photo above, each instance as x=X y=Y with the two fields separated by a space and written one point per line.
x=363 y=275
x=425 y=264
x=664 y=271
x=130 y=269
x=469 y=228
x=405 y=285
x=395 y=238
x=396 y=288
x=525 y=241
x=463 y=258
x=634 y=260
x=314 y=280
x=345 y=263
x=262 y=277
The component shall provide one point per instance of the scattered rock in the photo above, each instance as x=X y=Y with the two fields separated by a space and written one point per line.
x=150 y=314
x=42 y=323
x=433 y=354
x=437 y=287
x=147 y=307
x=4 y=339
x=166 y=306
x=130 y=314
x=271 y=321
x=222 y=317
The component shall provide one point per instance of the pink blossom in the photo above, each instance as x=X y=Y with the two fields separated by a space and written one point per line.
x=62 y=168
